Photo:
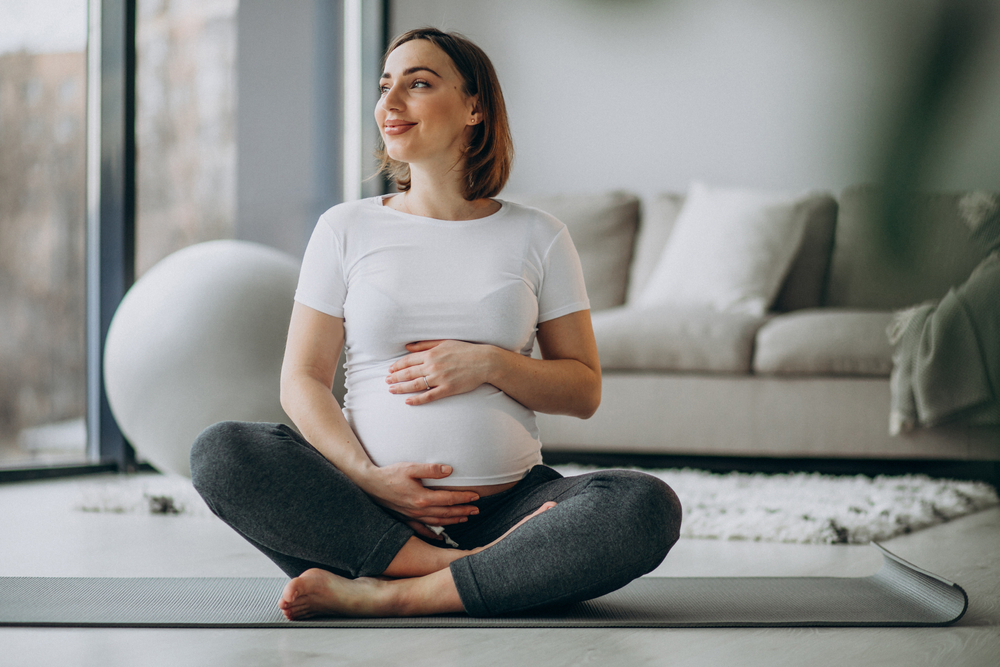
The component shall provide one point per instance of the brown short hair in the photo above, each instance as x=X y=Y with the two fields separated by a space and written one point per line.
x=490 y=153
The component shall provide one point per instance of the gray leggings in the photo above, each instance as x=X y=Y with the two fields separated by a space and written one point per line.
x=290 y=502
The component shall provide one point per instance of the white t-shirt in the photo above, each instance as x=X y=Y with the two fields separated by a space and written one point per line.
x=398 y=278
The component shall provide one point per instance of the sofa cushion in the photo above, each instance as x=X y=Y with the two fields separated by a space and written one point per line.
x=943 y=254
x=675 y=338
x=825 y=342
x=806 y=279
x=603 y=228
x=730 y=249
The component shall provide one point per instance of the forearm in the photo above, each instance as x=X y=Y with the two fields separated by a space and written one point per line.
x=565 y=381
x=317 y=415
x=553 y=386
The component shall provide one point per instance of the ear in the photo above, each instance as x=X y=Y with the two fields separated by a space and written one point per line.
x=476 y=113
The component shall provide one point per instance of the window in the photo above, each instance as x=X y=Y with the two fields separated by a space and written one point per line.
x=116 y=155
x=185 y=125
x=43 y=67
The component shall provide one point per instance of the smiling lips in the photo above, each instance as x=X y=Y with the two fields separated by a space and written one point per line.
x=397 y=126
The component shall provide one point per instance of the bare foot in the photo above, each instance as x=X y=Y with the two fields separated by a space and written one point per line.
x=320 y=593
x=418 y=558
x=544 y=508
x=317 y=592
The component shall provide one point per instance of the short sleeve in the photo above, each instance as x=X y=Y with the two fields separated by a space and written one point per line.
x=322 y=285
x=562 y=290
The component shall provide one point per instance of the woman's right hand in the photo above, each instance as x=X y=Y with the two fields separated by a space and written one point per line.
x=398 y=487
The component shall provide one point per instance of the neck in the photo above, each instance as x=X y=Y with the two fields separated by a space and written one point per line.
x=439 y=194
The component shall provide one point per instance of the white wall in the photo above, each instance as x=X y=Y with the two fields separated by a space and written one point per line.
x=647 y=95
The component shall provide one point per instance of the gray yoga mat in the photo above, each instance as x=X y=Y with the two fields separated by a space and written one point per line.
x=898 y=594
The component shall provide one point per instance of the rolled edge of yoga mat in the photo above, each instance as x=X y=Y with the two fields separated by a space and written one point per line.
x=945 y=600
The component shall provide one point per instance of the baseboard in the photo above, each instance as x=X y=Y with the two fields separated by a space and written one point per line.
x=24 y=474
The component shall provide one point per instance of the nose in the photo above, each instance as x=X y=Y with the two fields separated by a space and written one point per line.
x=392 y=100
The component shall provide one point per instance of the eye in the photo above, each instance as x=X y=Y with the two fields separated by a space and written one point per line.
x=383 y=89
x=421 y=84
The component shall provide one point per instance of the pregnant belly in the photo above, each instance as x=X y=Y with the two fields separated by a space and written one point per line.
x=488 y=438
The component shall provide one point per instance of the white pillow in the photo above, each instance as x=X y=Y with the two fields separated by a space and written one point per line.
x=729 y=250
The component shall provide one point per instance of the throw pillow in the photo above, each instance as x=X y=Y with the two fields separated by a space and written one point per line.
x=730 y=250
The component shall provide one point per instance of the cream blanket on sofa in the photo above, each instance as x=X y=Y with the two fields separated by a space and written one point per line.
x=946 y=362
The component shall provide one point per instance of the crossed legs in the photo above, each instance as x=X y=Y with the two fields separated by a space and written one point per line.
x=547 y=541
x=425 y=585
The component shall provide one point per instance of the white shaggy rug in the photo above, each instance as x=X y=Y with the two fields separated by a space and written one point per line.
x=794 y=507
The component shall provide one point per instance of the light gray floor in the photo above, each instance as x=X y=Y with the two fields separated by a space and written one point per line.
x=41 y=535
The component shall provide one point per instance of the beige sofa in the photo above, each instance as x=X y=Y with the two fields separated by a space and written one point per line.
x=810 y=379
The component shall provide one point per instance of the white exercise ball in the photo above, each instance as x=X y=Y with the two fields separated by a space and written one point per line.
x=197 y=340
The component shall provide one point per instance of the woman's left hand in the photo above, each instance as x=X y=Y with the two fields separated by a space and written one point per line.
x=449 y=366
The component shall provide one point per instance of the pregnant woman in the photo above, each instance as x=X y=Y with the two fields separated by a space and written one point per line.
x=426 y=493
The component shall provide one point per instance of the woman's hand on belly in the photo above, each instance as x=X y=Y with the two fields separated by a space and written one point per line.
x=398 y=487
x=449 y=367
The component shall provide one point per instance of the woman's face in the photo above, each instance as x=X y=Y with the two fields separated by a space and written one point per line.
x=423 y=114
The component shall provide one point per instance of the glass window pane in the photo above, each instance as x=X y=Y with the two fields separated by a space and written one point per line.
x=185 y=125
x=42 y=231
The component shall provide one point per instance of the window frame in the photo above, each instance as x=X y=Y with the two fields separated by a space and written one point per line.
x=111 y=196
